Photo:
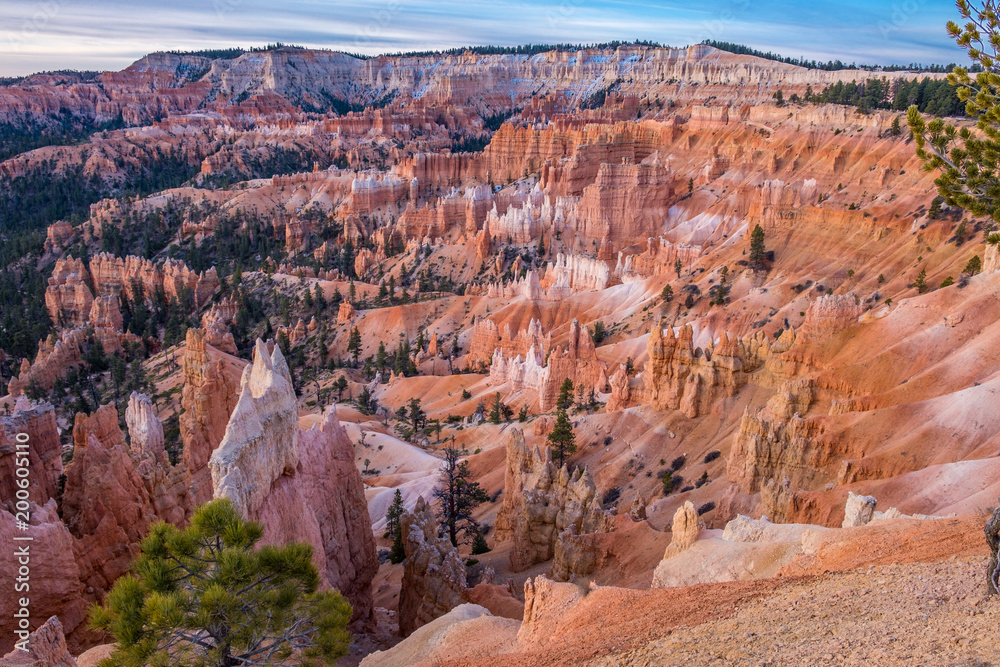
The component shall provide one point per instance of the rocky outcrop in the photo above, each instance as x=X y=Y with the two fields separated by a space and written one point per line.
x=789 y=450
x=991 y=258
x=637 y=510
x=859 y=510
x=300 y=485
x=207 y=400
x=45 y=646
x=106 y=504
x=576 y=360
x=544 y=601
x=167 y=485
x=488 y=337
x=621 y=389
x=434 y=577
x=575 y=273
x=323 y=503
x=68 y=296
x=345 y=313
x=215 y=323
x=261 y=437
x=117 y=276
x=106 y=319
x=831 y=313
x=626 y=202
x=521 y=462
x=684 y=533
x=56 y=586
x=685 y=528
x=30 y=434
x=992 y=531
x=545 y=506
x=54 y=358
x=680 y=377
x=364 y=262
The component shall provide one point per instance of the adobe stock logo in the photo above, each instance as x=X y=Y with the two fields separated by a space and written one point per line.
x=41 y=14
x=900 y=16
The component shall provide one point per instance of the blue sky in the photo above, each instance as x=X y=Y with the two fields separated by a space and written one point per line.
x=85 y=34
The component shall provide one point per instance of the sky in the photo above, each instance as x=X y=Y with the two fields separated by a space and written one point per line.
x=42 y=35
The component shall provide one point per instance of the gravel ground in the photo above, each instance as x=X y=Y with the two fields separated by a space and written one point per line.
x=910 y=614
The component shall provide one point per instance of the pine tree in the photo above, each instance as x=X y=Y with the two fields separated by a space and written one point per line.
x=496 y=409
x=921 y=282
x=565 y=394
x=393 y=513
x=354 y=344
x=320 y=299
x=205 y=595
x=457 y=496
x=381 y=357
x=562 y=438
x=678 y=266
x=965 y=157
x=341 y=387
x=722 y=291
x=416 y=416
x=479 y=545
x=758 y=253
x=974 y=266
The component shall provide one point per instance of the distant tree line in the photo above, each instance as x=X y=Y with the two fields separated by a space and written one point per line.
x=235 y=51
x=830 y=65
x=524 y=49
x=71 y=76
x=936 y=97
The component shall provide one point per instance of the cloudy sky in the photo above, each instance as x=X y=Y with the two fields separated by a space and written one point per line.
x=85 y=34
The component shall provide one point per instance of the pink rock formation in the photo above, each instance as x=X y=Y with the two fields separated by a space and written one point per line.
x=434 y=574
x=487 y=338
x=364 y=262
x=215 y=323
x=578 y=361
x=679 y=377
x=106 y=319
x=55 y=580
x=777 y=449
x=45 y=646
x=58 y=236
x=35 y=425
x=51 y=362
x=207 y=399
x=106 y=504
x=541 y=502
x=68 y=296
x=115 y=276
x=625 y=202
x=621 y=391
x=346 y=313
x=831 y=313
x=301 y=485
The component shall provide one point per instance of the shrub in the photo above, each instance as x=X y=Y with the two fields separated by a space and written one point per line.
x=711 y=456
x=678 y=463
x=706 y=508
